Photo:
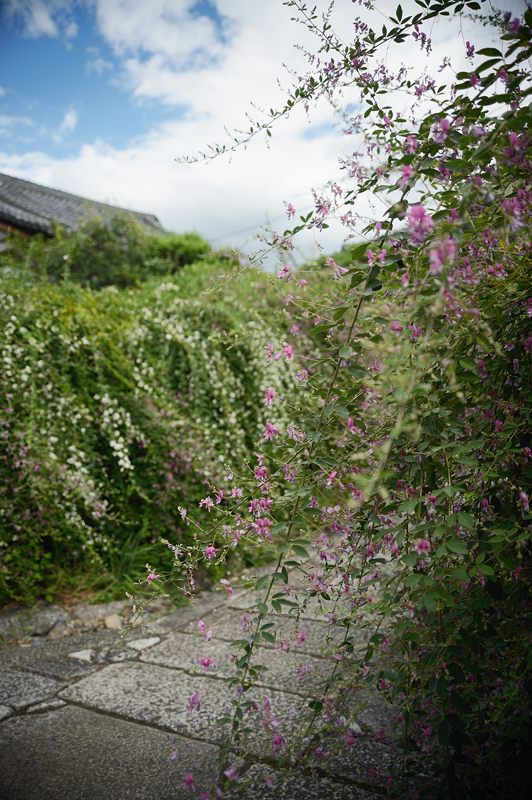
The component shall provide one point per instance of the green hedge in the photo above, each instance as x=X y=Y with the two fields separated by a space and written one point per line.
x=117 y=406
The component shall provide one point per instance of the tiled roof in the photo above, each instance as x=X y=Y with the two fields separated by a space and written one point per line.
x=36 y=208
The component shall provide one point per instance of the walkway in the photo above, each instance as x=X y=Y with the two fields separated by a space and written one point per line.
x=85 y=718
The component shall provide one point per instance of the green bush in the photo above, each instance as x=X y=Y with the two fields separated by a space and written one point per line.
x=116 y=407
x=115 y=251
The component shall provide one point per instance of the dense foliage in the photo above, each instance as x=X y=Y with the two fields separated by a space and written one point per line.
x=102 y=252
x=396 y=500
x=115 y=407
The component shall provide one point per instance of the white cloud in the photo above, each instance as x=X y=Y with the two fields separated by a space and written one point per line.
x=96 y=64
x=36 y=18
x=224 y=198
x=9 y=122
x=2 y=91
x=41 y=17
x=167 y=27
x=68 y=124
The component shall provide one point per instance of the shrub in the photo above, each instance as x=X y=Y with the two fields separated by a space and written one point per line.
x=115 y=408
x=115 y=251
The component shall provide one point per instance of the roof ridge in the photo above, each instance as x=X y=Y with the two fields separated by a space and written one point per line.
x=63 y=193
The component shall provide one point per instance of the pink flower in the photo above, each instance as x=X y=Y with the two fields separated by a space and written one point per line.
x=277 y=743
x=422 y=547
x=474 y=80
x=202 y=627
x=269 y=396
x=284 y=273
x=271 y=431
x=262 y=528
x=441 y=129
x=411 y=144
x=396 y=326
x=188 y=781
x=470 y=50
x=338 y=271
x=152 y=577
x=288 y=352
x=290 y=210
x=210 y=552
x=206 y=663
x=231 y=773
x=406 y=174
x=194 y=702
x=206 y=503
x=442 y=254
x=415 y=331
x=419 y=223
x=523 y=497
x=227 y=586
x=302 y=375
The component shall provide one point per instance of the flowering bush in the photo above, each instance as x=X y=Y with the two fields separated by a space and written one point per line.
x=395 y=499
x=115 y=409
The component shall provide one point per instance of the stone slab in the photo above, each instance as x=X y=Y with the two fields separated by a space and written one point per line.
x=20 y=689
x=143 y=644
x=261 y=782
x=37 y=621
x=5 y=712
x=158 y=696
x=90 y=615
x=292 y=672
x=47 y=705
x=226 y=623
x=198 y=607
x=52 y=658
x=76 y=754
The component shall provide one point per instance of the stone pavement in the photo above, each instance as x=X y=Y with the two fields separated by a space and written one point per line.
x=85 y=716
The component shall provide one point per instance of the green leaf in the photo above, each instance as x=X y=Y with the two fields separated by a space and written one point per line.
x=456 y=546
x=263 y=608
x=300 y=551
x=466 y=520
x=489 y=51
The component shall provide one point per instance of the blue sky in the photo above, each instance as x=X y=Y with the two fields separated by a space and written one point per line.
x=61 y=91
x=99 y=97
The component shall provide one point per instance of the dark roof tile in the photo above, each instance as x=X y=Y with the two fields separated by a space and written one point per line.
x=36 y=208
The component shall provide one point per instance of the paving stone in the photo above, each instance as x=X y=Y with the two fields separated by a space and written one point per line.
x=367 y=761
x=52 y=658
x=156 y=695
x=292 y=672
x=76 y=754
x=113 y=622
x=47 y=705
x=90 y=615
x=226 y=624
x=198 y=607
x=82 y=655
x=5 y=712
x=112 y=655
x=262 y=782
x=375 y=713
x=20 y=689
x=31 y=622
x=143 y=644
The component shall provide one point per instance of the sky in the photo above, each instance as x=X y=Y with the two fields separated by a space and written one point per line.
x=99 y=98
